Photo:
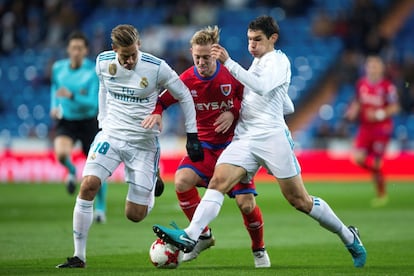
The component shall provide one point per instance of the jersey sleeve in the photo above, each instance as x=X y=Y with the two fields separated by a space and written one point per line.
x=165 y=99
x=170 y=80
x=235 y=109
x=288 y=107
x=392 y=95
x=53 y=88
x=269 y=78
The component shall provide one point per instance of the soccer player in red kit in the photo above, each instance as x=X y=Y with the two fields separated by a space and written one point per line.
x=217 y=97
x=375 y=103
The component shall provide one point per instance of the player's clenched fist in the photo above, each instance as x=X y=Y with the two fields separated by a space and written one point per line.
x=219 y=53
x=194 y=149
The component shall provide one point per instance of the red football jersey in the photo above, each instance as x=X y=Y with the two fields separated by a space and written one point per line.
x=374 y=96
x=212 y=96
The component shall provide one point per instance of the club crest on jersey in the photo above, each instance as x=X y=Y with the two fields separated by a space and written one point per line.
x=144 y=82
x=92 y=156
x=112 y=69
x=225 y=89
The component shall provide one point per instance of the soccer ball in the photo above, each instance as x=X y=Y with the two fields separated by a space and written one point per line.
x=165 y=255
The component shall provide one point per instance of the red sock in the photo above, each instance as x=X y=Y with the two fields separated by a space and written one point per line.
x=372 y=163
x=379 y=183
x=254 y=225
x=189 y=201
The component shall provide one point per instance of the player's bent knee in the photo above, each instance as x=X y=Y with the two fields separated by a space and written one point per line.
x=246 y=203
x=220 y=184
x=185 y=179
x=135 y=213
x=182 y=186
x=89 y=187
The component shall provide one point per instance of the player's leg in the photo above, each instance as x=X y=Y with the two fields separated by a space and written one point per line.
x=190 y=175
x=88 y=129
x=253 y=221
x=185 y=182
x=141 y=174
x=100 y=203
x=361 y=147
x=104 y=160
x=82 y=220
x=378 y=152
x=367 y=153
x=139 y=201
x=83 y=213
x=63 y=146
x=66 y=136
x=294 y=191
x=286 y=169
x=224 y=178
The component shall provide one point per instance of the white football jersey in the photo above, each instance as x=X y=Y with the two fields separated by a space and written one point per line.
x=266 y=85
x=127 y=97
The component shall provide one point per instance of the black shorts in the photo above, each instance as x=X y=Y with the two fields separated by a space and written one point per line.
x=82 y=130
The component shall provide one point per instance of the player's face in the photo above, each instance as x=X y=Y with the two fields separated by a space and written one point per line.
x=77 y=51
x=203 y=61
x=127 y=56
x=259 y=44
x=374 y=68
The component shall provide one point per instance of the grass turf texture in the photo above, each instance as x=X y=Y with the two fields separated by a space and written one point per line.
x=36 y=234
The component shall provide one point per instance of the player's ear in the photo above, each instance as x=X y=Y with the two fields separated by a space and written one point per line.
x=113 y=47
x=274 y=37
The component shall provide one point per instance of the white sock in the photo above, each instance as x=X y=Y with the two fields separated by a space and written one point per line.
x=327 y=219
x=206 y=211
x=82 y=221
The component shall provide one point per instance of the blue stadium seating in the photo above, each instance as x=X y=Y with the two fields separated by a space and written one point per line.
x=23 y=75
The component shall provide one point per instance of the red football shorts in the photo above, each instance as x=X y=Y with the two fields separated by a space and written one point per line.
x=373 y=140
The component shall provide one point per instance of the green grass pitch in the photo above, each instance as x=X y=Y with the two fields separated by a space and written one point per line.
x=36 y=234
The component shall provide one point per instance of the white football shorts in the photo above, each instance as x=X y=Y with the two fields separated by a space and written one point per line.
x=273 y=151
x=140 y=160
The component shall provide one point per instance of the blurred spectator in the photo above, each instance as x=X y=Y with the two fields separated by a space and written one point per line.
x=363 y=35
x=203 y=14
x=179 y=14
x=7 y=33
x=407 y=87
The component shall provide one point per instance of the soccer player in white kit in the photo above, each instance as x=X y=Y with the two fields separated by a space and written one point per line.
x=129 y=84
x=261 y=138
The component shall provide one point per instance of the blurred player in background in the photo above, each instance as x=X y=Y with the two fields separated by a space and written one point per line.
x=217 y=96
x=74 y=107
x=261 y=138
x=129 y=85
x=375 y=103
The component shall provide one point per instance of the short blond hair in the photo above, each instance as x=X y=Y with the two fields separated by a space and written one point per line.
x=124 y=35
x=208 y=35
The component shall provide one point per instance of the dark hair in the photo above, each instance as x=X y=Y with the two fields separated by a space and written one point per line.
x=78 y=35
x=266 y=24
